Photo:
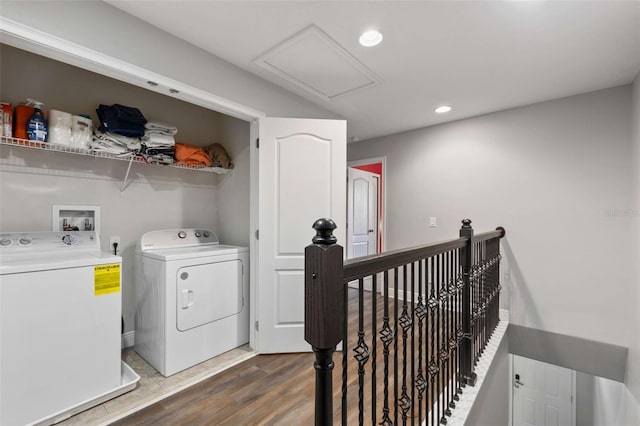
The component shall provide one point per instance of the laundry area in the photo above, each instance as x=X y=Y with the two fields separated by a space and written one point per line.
x=139 y=213
x=198 y=293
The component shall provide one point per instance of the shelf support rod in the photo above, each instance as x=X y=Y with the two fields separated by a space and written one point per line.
x=126 y=177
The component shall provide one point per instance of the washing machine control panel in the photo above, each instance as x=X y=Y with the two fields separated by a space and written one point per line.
x=47 y=241
x=178 y=238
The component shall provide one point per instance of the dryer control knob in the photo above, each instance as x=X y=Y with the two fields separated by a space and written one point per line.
x=206 y=234
x=198 y=234
x=182 y=234
x=5 y=242
x=70 y=239
x=25 y=241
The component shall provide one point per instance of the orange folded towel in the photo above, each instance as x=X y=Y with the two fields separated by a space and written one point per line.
x=191 y=155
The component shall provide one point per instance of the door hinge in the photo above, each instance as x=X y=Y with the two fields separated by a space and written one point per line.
x=257 y=327
x=257 y=234
x=257 y=142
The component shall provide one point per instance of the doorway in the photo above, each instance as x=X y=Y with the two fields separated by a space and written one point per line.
x=373 y=214
x=542 y=394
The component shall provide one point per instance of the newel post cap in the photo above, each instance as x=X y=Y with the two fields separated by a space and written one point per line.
x=466 y=223
x=324 y=232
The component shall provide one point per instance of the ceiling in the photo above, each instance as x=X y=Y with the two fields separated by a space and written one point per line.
x=477 y=56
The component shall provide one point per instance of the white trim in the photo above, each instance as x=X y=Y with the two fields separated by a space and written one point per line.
x=314 y=31
x=383 y=161
x=254 y=152
x=128 y=339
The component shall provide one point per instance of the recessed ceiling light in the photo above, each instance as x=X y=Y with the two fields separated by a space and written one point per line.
x=370 y=38
x=442 y=109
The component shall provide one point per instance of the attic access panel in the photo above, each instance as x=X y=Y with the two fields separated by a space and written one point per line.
x=313 y=61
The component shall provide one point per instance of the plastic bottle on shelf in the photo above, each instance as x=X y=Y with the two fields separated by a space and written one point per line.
x=37 y=125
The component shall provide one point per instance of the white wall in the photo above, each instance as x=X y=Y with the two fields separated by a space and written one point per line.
x=557 y=175
x=108 y=30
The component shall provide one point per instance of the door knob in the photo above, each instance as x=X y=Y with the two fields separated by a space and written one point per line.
x=370 y=230
x=517 y=381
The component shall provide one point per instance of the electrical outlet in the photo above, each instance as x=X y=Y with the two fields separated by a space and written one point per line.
x=113 y=240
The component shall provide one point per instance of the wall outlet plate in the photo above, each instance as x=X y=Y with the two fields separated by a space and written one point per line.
x=113 y=240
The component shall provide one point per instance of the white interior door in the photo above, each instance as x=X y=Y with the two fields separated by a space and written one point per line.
x=362 y=207
x=542 y=394
x=302 y=171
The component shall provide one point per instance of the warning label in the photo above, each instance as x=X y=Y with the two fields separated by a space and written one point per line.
x=107 y=279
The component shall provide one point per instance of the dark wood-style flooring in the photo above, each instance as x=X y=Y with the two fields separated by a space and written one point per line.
x=279 y=389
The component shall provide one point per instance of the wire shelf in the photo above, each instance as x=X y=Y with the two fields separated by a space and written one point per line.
x=129 y=157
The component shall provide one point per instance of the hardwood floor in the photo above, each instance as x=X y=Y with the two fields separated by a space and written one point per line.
x=279 y=389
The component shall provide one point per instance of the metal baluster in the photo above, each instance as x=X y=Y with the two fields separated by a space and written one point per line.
x=395 y=345
x=374 y=346
x=439 y=333
x=361 y=354
x=458 y=323
x=447 y=342
x=421 y=383
x=345 y=340
x=413 y=337
x=405 y=324
x=386 y=336
x=433 y=366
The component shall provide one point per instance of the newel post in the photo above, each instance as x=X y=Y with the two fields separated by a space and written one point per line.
x=323 y=310
x=466 y=350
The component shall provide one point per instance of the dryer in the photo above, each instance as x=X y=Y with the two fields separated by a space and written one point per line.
x=192 y=298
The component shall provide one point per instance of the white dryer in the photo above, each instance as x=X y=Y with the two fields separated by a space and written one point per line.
x=60 y=319
x=192 y=298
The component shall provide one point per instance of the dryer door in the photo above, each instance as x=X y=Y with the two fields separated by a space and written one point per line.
x=207 y=293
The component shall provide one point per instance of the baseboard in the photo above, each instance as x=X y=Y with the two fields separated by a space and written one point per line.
x=128 y=339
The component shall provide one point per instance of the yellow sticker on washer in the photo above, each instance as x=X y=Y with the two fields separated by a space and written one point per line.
x=106 y=279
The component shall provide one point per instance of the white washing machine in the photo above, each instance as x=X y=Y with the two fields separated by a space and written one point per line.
x=192 y=298
x=60 y=321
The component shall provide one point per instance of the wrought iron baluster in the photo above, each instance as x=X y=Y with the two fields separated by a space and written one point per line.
x=413 y=337
x=395 y=345
x=420 y=311
x=345 y=340
x=405 y=324
x=433 y=365
x=386 y=336
x=361 y=353
x=459 y=333
x=374 y=346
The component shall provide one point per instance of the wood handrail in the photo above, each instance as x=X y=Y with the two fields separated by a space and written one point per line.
x=380 y=262
x=498 y=233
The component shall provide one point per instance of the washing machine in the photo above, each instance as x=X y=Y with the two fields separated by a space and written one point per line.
x=60 y=320
x=192 y=298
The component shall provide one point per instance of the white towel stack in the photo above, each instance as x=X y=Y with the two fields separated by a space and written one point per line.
x=159 y=135
x=114 y=143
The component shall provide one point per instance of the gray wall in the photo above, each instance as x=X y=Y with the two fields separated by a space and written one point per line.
x=633 y=366
x=557 y=176
x=491 y=406
x=599 y=401
x=157 y=197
